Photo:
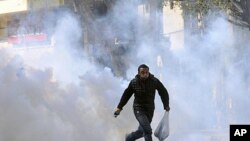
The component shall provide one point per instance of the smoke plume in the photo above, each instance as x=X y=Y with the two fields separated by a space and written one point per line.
x=61 y=94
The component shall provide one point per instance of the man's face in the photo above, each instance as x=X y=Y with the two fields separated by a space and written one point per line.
x=144 y=73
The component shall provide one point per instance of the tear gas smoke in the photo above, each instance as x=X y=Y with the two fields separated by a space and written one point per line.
x=60 y=95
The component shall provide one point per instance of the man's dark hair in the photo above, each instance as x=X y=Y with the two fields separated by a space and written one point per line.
x=142 y=66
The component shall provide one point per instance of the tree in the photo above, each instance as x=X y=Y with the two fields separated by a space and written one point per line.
x=238 y=11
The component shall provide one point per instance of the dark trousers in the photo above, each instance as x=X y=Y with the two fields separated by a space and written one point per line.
x=144 y=117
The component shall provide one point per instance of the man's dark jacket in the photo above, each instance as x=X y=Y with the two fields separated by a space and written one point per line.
x=144 y=93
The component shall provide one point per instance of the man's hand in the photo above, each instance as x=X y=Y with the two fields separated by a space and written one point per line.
x=117 y=112
x=167 y=108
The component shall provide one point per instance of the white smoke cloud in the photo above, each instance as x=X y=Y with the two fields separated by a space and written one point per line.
x=209 y=85
x=59 y=94
x=56 y=93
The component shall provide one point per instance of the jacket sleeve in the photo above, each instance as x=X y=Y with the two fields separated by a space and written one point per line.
x=126 y=96
x=163 y=94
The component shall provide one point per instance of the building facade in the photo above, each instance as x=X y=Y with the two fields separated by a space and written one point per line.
x=22 y=20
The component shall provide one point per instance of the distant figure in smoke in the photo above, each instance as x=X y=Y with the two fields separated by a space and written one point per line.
x=143 y=87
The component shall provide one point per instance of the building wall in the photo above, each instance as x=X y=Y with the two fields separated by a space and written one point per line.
x=3 y=24
x=8 y=6
x=13 y=12
x=41 y=4
x=173 y=26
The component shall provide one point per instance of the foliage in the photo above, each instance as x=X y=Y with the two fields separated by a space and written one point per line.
x=198 y=6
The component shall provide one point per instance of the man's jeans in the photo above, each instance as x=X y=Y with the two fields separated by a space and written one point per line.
x=144 y=118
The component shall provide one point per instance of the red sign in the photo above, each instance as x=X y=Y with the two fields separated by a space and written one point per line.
x=28 y=38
